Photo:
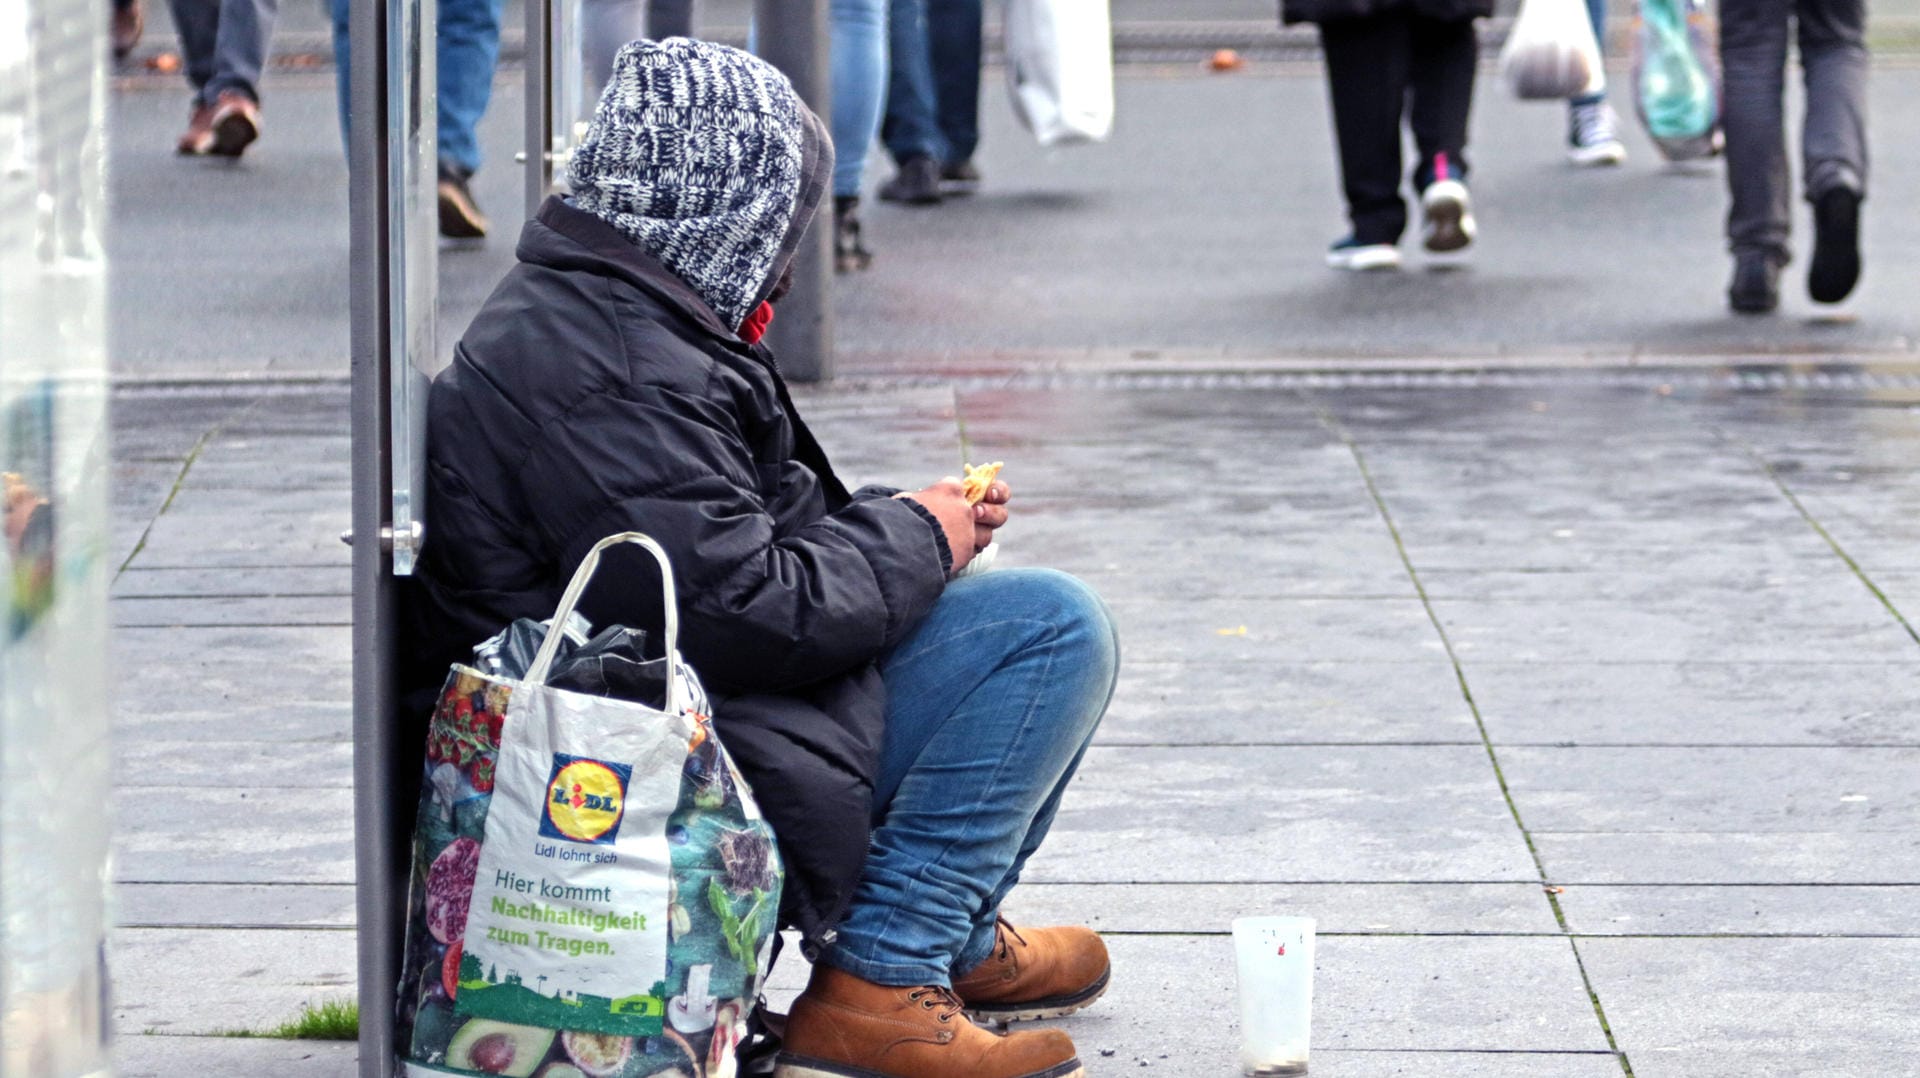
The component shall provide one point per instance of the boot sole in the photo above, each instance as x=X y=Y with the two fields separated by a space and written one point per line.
x=1040 y=1010
x=232 y=134
x=797 y=1066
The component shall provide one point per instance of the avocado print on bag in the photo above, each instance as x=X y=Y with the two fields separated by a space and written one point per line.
x=594 y=890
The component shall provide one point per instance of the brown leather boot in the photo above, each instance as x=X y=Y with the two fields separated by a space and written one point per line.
x=1039 y=973
x=844 y=1027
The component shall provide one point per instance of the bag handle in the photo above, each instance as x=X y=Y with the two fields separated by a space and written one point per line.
x=550 y=647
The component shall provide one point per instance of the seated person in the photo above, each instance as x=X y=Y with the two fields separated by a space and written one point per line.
x=908 y=734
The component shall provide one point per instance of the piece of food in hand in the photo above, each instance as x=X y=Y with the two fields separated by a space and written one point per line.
x=979 y=479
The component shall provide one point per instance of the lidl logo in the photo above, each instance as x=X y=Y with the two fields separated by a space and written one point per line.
x=585 y=799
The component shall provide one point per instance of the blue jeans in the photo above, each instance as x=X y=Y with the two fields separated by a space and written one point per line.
x=225 y=43
x=933 y=94
x=991 y=703
x=468 y=45
x=859 y=87
x=1597 y=13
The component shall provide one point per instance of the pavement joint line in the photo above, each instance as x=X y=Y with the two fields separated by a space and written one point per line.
x=1753 y=454
x=1334 y=427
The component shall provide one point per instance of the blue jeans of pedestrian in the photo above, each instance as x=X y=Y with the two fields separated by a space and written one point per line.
x=933 y=93
x=991 y=703
x=1597 y=14
x=859 y=87
x=467 y=44
x=225 y=44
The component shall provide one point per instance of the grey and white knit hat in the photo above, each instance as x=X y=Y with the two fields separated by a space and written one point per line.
x=706 y=158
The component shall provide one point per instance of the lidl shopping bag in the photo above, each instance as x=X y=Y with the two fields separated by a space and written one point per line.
x=1676 y=77
x=594 y=891
x=1060 y=68
x=1551 y=52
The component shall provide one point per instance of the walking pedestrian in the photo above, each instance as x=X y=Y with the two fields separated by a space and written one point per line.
x=909 y=733
x=1593 y=129
x=225 y=46
x=932 y=125
x=1389 y=61
x=467 y=44
x=1833 y=144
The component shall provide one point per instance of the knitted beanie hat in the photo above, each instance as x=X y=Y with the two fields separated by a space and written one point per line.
x=706 y=158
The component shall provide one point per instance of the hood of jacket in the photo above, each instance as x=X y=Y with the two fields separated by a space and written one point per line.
x=704 y=157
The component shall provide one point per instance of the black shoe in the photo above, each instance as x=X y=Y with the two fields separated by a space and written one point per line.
x=1836 y=245
x=1756 y=284
x=960 y=177
x=850 y=255
x=460 y=216
x=917 y=183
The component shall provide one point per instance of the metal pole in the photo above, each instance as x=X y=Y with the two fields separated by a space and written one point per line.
x=793 y=36
x=377 y=851
x=539 y=76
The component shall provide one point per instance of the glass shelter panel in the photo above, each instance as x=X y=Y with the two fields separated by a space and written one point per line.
x=54 y=759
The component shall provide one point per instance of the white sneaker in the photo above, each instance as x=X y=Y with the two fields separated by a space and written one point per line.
x=1360 y=257
x=1593 y=138
x=1449 y=216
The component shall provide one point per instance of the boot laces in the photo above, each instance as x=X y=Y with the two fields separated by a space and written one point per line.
x=1007 y=929
x=937 y=998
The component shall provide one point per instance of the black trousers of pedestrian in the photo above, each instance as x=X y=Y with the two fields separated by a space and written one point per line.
x=1833 y=140
x=1381 y=69
x=669 y=18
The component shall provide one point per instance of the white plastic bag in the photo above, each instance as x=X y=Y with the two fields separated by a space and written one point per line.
x=1551 y=53
x=1060 y=68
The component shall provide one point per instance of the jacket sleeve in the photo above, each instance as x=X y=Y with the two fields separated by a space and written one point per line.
x=765 y=605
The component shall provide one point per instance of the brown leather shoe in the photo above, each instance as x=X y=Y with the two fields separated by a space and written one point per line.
x=844 y=1027
x=1039 y=973
x=125 y=28
x=198 y=138
x=236 y=123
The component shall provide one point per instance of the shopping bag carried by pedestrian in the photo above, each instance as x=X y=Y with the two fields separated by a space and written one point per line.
x=1060 y=68
x=1551 y=53
x=1676 y=78
x=594 y=891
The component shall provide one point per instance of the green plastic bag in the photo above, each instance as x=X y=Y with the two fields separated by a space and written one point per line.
x=1676 y=78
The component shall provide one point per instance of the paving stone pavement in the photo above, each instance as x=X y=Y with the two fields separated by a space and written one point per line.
x=1551 y=695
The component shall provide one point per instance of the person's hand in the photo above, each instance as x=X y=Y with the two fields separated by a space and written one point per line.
x=991 y=514
x=947 y=501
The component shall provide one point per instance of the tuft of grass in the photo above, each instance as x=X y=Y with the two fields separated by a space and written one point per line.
x=329 y=1020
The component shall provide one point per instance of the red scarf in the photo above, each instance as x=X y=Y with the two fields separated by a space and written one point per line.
x=755 y=327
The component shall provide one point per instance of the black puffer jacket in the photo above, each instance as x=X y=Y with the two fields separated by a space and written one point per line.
x=1292 y=11
x=596 y=393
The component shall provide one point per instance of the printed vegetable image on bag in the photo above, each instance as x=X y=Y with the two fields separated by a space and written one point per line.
x=1676 y=78
x=594 y=891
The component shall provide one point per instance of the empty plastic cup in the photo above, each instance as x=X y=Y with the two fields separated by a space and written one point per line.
x=1274 y=957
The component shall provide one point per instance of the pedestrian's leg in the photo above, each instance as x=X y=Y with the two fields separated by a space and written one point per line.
x=1753 y=55
x=1367 y=71
x=240 y=51
x=198 y=24
x=859 y=98
x=859 y=87
x=469 y=46
x=669 y=18
x=990 y=704
x=910 y=129
x=1597 y=16
x=954 y=43
x=1833 y=50
x=1446 y=56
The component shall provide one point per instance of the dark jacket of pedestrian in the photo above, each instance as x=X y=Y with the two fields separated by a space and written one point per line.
x=1320 y=11
x=605 y=387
